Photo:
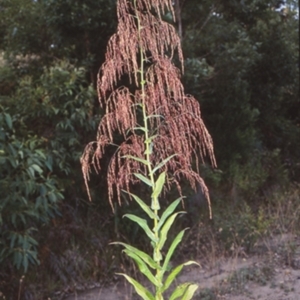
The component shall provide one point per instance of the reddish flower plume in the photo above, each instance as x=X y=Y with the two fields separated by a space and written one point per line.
x=173 y=119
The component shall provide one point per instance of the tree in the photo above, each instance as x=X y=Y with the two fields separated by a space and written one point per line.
x=57 y=29
x=249 y=78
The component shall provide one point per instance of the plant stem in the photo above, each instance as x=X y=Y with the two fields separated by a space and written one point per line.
x=148 y=141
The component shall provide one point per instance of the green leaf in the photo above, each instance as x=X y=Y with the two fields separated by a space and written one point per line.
x=170 y=209
x=8 y=120
x=165 y=229
x=32 y=144
x=41 y=153
x=13 y=219
x=143 y=267
x=22 y=218
x=25 y=261
x=139 y=128
x=179 y=291
x=17 y=259
x=12 y=161
x=12 y=150
x=32 y=241
x=48 y=165
x=189 y=293
x=33 y=257
x=159 y=185
x=30 y=172
x=143 y=224
x=172 y=248
x=174 y=274
x=43 y=190
x=12 y=237
x=52 y=197
x=143 y=161
x=21 y=154
x=140 y=290
x=144 y=256
x=143 y=205
x=143 y=178
x=37 y=168
x=161 y=164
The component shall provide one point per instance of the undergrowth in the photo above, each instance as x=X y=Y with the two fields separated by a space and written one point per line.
x=236 y=231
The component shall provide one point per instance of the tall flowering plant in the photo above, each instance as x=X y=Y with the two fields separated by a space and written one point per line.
x=162 y=130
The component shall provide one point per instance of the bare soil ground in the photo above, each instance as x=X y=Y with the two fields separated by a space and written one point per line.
x=271 y=273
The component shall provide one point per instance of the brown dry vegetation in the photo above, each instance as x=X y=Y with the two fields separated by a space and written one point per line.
x=172 y=128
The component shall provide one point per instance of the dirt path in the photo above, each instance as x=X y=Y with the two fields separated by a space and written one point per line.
x=273 y=275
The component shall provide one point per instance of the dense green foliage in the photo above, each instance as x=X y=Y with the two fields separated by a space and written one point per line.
x=241 y=62
x=248 y=53
x=29 y=194
x=44 y=126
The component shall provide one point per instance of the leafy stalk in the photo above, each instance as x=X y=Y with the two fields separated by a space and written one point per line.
x=157 y=152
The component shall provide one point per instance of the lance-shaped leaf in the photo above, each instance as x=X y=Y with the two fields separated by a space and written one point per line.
x=165 y=229
x=143 y=224
x=190 y=291
x=143 y=267
x=170 y=209
x=179 y=291
x=186 y=290
x=143 y=161
x=8 y=120
x=144 y=256
x=143 y=205
x=171 y=250
x=159 y=185
x=161 y=164
x=143 y=178
x=139 y=128
x=140 y=290
x=174 y=274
